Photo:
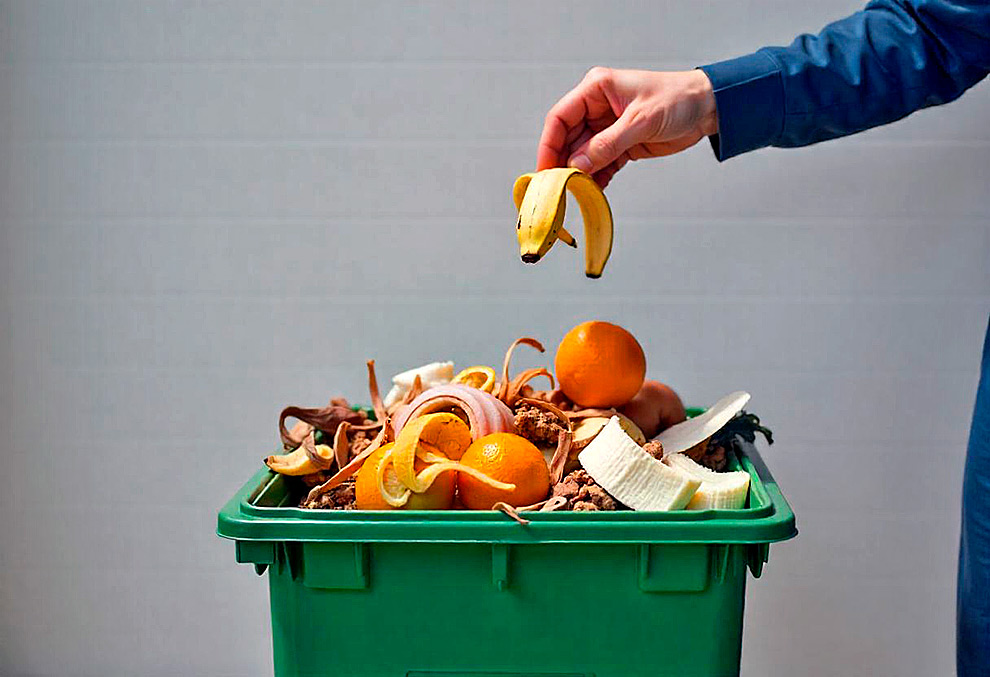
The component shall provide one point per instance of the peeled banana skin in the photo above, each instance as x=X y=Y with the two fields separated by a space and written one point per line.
x=727 y=490
x=616 y=462
x=541 y=200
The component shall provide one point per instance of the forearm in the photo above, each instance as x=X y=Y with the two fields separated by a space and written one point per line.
x=869 y=69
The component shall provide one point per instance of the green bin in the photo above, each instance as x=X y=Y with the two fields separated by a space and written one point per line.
x=475 y=594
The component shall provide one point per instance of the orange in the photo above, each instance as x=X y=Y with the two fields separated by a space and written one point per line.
x=440 y=495
x=599 y=364
x=507 y=458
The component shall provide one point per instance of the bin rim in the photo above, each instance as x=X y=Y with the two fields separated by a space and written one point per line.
x=773 y=521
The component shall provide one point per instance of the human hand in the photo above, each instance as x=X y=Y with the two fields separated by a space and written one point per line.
x=614 y=116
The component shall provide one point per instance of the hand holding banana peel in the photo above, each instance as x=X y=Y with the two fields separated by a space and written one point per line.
x=610 y=118
x=541 y=201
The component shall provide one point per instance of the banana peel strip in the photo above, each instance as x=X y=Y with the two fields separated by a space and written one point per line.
x=348 y=470
x=306 y=459
x=503 y=388
x=321 y=459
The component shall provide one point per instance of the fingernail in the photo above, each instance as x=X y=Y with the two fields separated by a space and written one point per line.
x=581 y=162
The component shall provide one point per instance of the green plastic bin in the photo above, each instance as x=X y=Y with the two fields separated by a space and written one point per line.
x=475 y=594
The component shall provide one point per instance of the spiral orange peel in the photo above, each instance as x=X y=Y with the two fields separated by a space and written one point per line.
x=435 y=439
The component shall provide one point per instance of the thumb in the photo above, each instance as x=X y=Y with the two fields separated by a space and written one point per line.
x=606 y=146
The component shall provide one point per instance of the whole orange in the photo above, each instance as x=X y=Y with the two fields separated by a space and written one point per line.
x=440 y=495
x=507 y=458
x=599 y=364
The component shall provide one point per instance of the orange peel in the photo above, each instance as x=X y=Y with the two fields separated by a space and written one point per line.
x=434 y=439
x=479 y=376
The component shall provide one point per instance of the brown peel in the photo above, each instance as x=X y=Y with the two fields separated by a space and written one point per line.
x=296 y=435
x=341 y=447
x=561 y=456
x=376 y=398
x=507 y=509
x=323 y=418
x=414 y=392
x=503 y=387
x=351 y=468
x=554 y=503
x=590 y=413
x=517 y=384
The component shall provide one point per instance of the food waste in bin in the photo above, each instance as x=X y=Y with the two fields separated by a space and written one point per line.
x=598 y=436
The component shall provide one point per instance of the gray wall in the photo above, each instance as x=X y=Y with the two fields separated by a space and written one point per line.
x=211 y=210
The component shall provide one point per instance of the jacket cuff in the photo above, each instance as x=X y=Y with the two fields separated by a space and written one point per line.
x=749 y=101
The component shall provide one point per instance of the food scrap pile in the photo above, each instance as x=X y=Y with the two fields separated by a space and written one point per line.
x=600 y=437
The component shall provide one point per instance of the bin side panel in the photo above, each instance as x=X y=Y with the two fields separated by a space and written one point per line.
x=576 y=609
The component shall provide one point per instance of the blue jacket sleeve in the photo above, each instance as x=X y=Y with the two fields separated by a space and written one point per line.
x=874 y=67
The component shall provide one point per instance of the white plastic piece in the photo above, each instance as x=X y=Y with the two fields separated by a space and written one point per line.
x=682 y=436
x=432 y=374
x=627 y=472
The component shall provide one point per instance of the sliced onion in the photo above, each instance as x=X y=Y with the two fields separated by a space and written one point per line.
x=486 y=414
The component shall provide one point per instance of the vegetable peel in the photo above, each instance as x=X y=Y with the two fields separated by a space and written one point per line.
x=355 y=464
x=503 y=387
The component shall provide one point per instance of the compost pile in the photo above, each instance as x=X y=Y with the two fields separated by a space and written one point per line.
x=598 y=437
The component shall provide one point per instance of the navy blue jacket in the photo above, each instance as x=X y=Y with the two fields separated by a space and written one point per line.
x=871 y=68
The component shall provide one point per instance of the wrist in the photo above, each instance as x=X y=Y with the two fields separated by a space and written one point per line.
x=703 y=95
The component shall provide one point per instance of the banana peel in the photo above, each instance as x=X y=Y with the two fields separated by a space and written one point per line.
x=541 y=200
x=306 y=460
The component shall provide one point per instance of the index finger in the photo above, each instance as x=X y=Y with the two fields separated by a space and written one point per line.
x=566 y=114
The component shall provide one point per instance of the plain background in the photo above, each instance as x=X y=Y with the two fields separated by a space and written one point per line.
x=211 y=210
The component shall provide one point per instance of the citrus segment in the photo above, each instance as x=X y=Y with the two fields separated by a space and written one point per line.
x=480 y=377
